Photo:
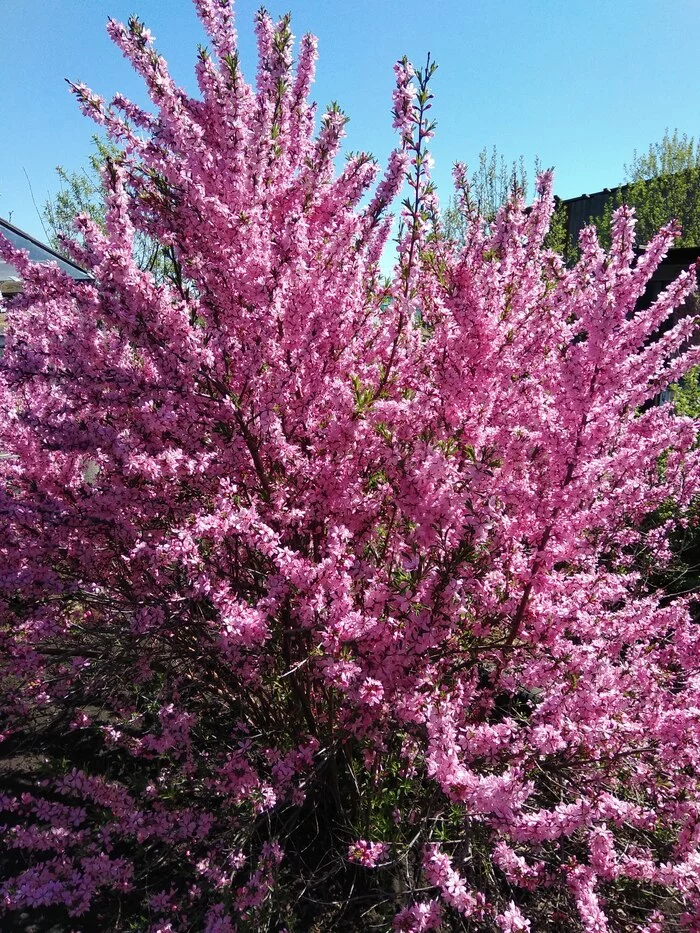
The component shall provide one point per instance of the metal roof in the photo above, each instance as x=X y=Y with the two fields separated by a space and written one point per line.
x=38 y=252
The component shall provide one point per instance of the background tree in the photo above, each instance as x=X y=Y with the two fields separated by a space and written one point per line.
x=662 y=185
x=489 y=187
x=82 y=194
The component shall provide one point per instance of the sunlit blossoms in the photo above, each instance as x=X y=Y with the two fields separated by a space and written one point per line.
x=328 y=600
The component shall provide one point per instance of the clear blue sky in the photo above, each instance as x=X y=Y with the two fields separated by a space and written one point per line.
x=581 y=83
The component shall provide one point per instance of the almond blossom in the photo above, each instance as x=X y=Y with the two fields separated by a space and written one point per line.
x=291 y=547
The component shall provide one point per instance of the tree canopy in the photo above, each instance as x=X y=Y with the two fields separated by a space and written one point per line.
x=331 y=602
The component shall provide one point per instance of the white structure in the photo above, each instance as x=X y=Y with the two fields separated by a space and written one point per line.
x=38 y=252
x=10 y=282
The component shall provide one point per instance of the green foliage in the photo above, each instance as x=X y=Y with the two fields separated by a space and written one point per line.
x=662 y=184
x=558 y=229
x=79 y=193
x=686 y=395
x=674 y=154
x=665 y=198
x=83 y=192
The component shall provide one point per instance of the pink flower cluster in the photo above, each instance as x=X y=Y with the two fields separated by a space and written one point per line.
x=367 y=853
x=440 y=872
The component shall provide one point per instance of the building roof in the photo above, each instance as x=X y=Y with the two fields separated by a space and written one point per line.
x=589 y=208
x=38 y=252
x=586 y=207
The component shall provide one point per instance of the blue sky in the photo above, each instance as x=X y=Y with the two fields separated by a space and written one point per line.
x=581 y=83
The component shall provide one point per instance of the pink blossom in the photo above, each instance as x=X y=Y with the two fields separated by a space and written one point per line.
x=367 y=853
x=512 y=920
x=294 y=552
x=419 y=918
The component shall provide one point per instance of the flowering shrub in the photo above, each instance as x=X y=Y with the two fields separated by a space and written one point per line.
x=327 y=601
